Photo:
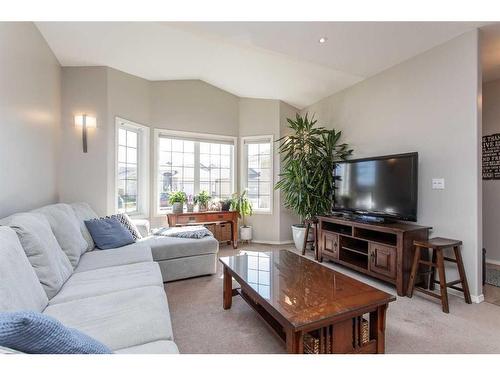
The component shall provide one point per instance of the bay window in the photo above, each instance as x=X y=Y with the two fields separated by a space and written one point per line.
x=192 y=163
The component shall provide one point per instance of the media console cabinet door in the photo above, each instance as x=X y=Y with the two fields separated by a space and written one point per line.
x=383 y=260
x=330 y=244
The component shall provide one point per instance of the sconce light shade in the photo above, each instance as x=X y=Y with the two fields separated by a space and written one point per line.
x=90 y=122
x=84 y=121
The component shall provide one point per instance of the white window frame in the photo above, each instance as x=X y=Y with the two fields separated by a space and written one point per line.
x=183 y=134
x=244 y=167
x=143 y=155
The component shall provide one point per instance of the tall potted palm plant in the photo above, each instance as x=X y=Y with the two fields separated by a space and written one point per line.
x=309 y=155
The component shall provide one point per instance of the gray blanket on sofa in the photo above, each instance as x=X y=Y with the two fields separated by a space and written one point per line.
x=195 y=231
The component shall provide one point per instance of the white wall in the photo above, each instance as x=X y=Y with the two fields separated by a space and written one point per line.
x=30 y=80
x=427 y=104
x=491 y=188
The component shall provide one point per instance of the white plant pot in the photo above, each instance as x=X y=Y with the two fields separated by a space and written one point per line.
x=298 y=232
x=246 y=233
x=178 y=208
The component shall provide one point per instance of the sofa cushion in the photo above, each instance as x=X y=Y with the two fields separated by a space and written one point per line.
x=130 y=254
x=50 y=263
x=35 y=333
x=155 y=347
x=108 y=280
x=84 y=212
x=121 y=319
x=66 y=229
x=171 y=247
x=20 y=288
x=108 y=233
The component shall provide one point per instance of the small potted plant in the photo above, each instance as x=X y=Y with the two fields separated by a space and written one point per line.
x=225 y=204
x=243 y=206
x=202 y=199
x=177 y=200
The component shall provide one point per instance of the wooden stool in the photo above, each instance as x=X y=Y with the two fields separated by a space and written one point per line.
x=437 y=245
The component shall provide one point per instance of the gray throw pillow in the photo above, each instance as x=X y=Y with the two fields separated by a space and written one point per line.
x=50 y=263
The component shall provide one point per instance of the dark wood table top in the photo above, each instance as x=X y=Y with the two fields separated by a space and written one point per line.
x=300 y=290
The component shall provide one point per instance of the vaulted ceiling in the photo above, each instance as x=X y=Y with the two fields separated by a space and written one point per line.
x=274 y=60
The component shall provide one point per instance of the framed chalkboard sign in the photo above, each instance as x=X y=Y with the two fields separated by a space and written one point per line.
x=491 y=157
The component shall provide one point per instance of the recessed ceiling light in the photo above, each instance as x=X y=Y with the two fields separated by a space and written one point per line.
x=323 y=39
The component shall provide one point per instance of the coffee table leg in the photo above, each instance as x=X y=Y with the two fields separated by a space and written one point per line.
x=377 y=328
x=227 y=289
x=294 y=342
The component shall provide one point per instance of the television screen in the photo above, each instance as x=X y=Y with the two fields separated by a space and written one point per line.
x=382 y=186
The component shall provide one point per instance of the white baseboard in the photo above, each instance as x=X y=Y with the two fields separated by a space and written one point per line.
x=457 y=293
x=491 y=261
x=272 y=242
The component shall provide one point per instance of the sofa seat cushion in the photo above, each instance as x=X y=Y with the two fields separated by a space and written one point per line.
x=84 y=212
x=20 y=288
x=121 y=319
x=164 y=248
x=130 y=254
x=66 y=229
x=50 y=263
x=108 y=280
x=155 y=347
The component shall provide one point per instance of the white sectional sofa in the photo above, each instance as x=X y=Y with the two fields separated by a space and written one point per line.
x=48 y=264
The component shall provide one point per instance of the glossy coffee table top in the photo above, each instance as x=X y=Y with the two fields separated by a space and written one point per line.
x=299 y=289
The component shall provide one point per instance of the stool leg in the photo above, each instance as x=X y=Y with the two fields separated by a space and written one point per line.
x=461 y=271
x=432 y=280
x=442 y=280
x=414 y=269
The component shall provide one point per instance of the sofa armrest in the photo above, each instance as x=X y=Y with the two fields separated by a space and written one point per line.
x=142 y=226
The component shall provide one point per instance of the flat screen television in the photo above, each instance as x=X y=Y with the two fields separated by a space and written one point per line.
x=385 y=186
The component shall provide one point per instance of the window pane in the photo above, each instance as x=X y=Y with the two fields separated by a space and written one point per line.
x=226 y=149
x=264 y=202
x=265 y=188
x=122 y=154
x=165 y=144
x=132 y=155
x=204 y=148
x=265 y=174
x=215 y=148
x=130 y=203
x=122 y=171
x=265 y=161
x=253 y=188
x=253 y=161
x=122 y=137
x=131 y=139
x=225 y=174
x=265 y=148
x=131 y=187
x=205 y=160
x=188 y=160
x=225 y=161
x=215 y=161
x=253 y=149
x=165 y=158
x=189 y=174
x=204 y=174
x=131 y=172
x=177 y=145
x=188 y=146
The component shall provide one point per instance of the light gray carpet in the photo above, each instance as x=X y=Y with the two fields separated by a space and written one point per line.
x=492 y=275
x=414 y=325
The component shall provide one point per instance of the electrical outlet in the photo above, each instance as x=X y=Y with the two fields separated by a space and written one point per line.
x=438 y=183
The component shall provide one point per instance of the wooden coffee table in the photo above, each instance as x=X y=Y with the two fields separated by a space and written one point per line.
x=300 y=298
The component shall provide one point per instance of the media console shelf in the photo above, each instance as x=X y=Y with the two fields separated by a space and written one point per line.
x=384 y=251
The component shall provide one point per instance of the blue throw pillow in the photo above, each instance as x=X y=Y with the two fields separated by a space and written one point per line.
x=35 y=333
x=108 y=233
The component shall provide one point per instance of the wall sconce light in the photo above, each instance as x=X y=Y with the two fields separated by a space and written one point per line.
x=84 y=121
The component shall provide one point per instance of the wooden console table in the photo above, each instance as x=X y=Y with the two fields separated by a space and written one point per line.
x=207 y=217
x=384 y=251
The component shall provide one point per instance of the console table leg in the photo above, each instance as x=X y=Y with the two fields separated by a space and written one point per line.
x=227 y=290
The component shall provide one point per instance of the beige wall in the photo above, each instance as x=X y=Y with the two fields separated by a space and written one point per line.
x=30 y=80
x=82 y=177
x=194 y=106
x=427 y=104
x=491 y=188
